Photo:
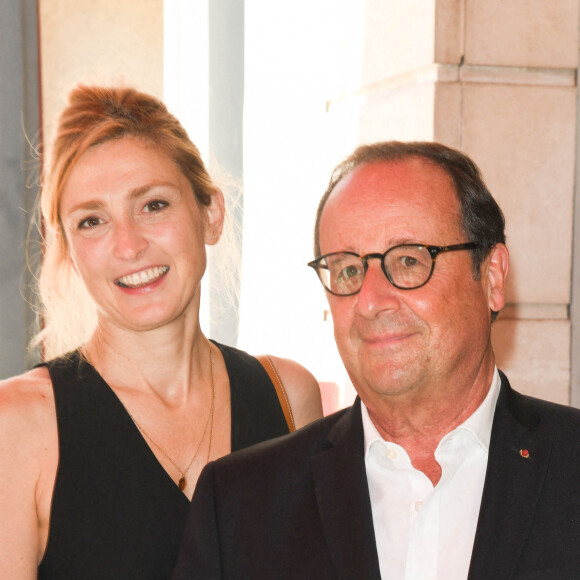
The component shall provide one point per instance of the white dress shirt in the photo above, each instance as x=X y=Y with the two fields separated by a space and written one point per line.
x=425 y=532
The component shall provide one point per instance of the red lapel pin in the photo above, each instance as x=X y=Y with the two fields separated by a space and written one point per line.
x=525 y=453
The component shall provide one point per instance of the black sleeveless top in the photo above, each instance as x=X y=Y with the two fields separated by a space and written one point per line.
x=116 y=514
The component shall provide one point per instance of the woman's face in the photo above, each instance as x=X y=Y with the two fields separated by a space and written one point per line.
x=136 y=234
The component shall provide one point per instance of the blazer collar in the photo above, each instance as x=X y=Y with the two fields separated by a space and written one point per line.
x=342 y=494
x=517 y=464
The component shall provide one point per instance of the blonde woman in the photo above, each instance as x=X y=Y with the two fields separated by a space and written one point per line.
x=101 y=447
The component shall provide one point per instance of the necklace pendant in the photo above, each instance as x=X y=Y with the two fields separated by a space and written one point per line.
x=181 y=483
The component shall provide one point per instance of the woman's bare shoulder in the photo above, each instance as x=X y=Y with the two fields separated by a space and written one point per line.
x=26 y=401
x=302 y=389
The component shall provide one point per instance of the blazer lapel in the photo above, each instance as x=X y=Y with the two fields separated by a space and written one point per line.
x=343 y=499
x=516 y=469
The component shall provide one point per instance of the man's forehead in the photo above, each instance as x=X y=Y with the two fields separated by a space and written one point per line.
x=414 y=177
x=385 y=203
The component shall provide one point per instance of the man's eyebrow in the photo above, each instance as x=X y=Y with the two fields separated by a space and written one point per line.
x=399 y=241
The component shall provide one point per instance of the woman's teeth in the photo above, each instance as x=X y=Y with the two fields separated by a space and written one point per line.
x=142 y=278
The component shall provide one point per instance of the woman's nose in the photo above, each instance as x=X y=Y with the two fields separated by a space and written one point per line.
x=130 y=243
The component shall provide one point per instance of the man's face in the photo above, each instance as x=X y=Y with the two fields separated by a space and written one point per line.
x=428 y=342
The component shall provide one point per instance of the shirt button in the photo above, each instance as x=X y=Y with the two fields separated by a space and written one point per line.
x=391 y=454
x=417 y=505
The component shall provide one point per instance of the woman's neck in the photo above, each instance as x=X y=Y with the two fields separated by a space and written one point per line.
x=167 y=360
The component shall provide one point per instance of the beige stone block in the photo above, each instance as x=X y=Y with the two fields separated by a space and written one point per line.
x=449 y=31
x=447 y=122
x=550 y=77
x=404 y=114
x=523 y=139
x=98 y=42
x=537 y=33
x=398 y=36
x=536 y=311
x=535 y=356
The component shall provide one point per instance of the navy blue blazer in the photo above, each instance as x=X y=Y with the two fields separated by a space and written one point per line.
x=298 y=507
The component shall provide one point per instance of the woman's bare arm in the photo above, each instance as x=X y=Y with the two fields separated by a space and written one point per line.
x=28 y=459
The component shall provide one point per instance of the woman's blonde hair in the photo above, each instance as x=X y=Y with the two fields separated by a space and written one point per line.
x=95 y=115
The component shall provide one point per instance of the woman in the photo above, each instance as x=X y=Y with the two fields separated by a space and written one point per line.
x=101 y=448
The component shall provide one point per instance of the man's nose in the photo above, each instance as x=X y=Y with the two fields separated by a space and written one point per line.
x=377 y=294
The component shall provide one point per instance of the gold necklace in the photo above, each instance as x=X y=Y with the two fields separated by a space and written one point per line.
x=182 y=480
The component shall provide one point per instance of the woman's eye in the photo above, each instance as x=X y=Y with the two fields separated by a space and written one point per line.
x=155 y=205
x=90 y=222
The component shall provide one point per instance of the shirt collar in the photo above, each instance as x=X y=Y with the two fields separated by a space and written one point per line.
x=479 y=423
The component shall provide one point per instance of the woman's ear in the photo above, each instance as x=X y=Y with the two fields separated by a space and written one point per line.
x=497 y=272
x=215 y=214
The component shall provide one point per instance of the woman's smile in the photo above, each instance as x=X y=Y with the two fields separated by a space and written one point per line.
x=142 y=278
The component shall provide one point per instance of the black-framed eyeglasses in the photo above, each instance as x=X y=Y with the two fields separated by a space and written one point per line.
x=406 y=267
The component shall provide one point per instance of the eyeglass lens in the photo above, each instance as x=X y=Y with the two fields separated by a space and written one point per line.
x=405 y=267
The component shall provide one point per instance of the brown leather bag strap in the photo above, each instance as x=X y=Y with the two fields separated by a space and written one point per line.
x=269 y=367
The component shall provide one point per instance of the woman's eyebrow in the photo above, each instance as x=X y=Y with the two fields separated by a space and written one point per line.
x=135 y=193
x=144 y=189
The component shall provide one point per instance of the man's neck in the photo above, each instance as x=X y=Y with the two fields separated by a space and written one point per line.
x=418 y=424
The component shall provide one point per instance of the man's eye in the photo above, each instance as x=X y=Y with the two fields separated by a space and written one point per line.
x=348 y=273
x=408 y=261
x=90 y=222
x=155 y=205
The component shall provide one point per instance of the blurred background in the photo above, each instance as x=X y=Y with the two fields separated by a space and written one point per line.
x=275 y=94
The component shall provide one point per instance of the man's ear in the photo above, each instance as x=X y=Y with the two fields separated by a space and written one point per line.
x=497 y=272
x=215 y=215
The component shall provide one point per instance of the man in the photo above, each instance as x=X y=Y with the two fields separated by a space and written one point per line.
x=439 y=470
